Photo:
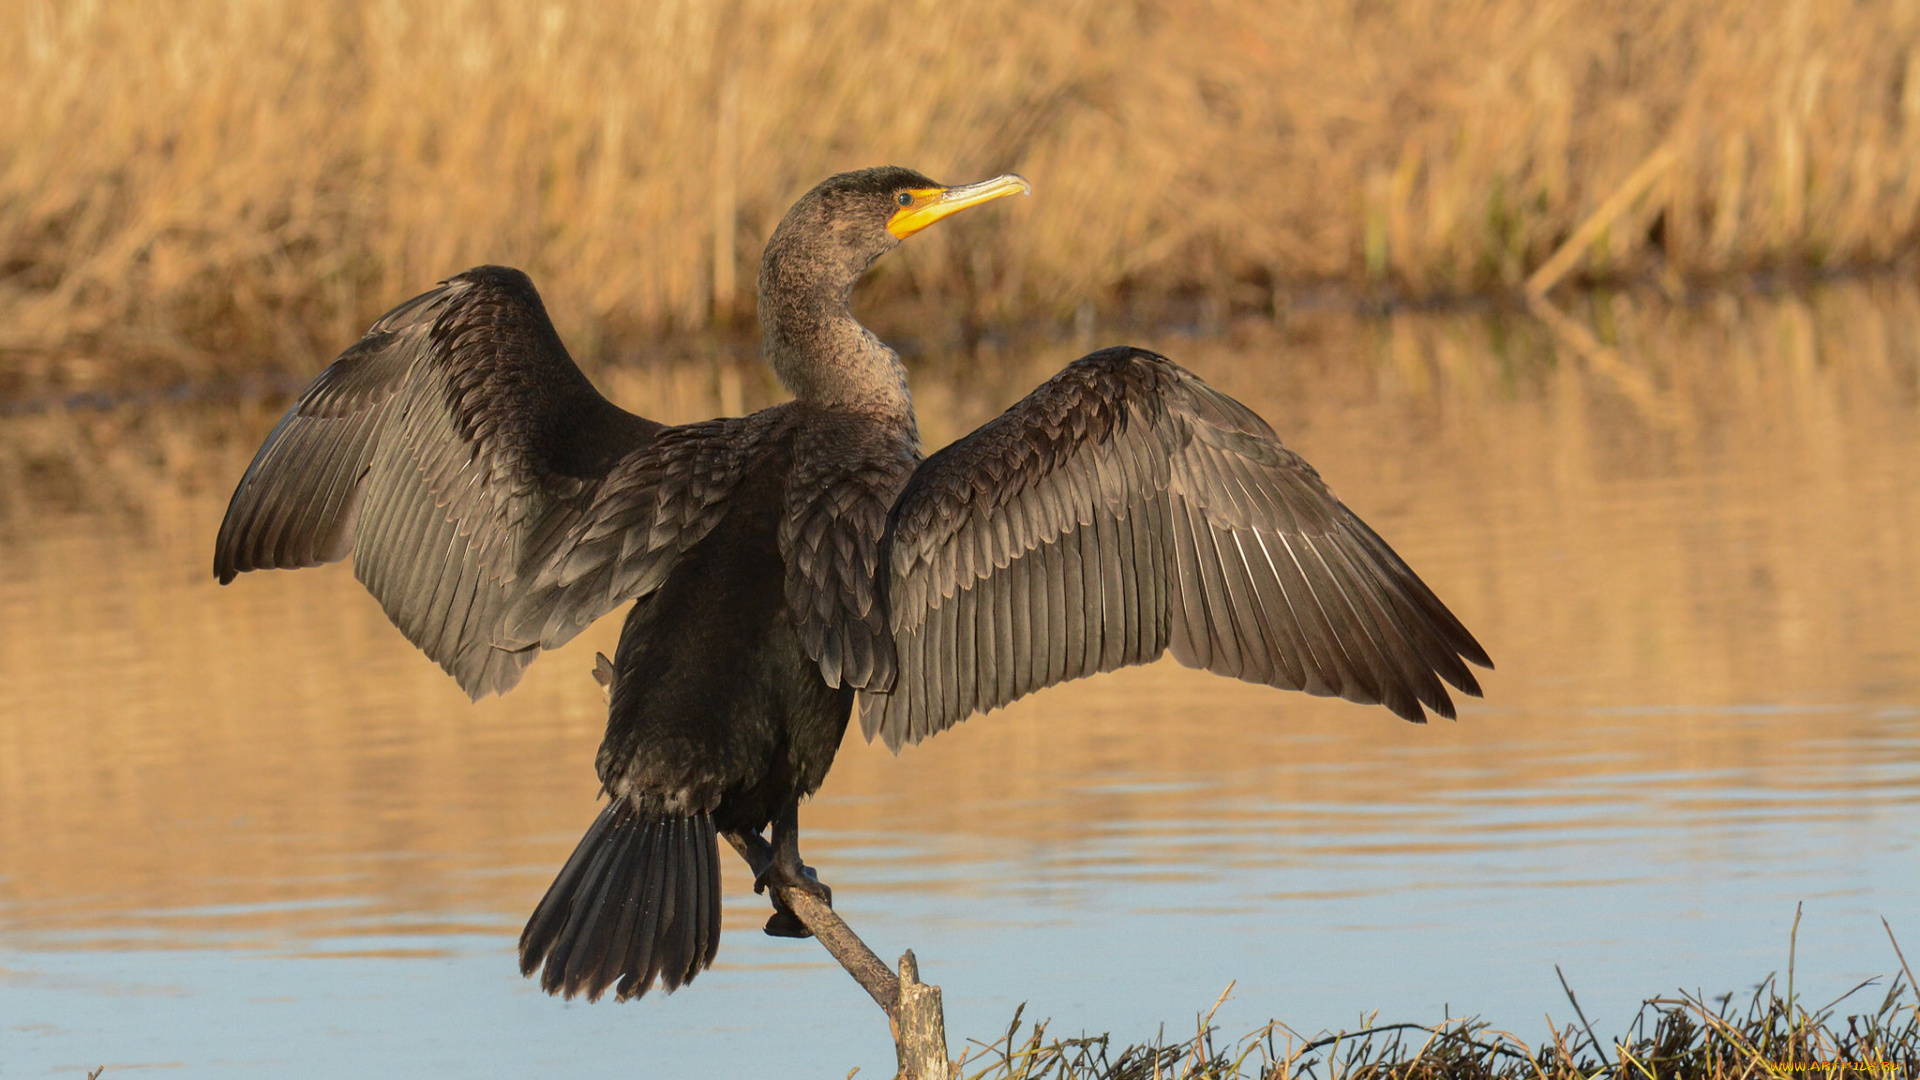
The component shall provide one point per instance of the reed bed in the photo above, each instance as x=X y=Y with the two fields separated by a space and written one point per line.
x=1772 y=1035
x=188 y=189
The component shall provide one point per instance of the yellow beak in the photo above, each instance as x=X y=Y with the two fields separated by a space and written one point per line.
x=931 y=204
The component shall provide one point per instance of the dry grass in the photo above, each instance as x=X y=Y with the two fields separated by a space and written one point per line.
x=205 y=187
x=1774 y=1036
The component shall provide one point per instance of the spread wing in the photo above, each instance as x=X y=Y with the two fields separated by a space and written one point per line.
x=492 y=500
x=1126 y=507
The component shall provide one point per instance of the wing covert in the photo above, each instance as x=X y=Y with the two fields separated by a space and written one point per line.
x=830 y=537
x=1125 y=508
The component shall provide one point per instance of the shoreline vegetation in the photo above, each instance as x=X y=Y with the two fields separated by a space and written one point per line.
x=186 y=191
x=1685 y=1036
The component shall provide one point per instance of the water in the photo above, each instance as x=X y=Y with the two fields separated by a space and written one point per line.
x=250 y=830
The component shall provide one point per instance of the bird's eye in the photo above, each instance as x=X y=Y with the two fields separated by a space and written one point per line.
x=905 y=198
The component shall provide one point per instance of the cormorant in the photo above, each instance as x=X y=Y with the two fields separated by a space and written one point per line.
x=784 y=563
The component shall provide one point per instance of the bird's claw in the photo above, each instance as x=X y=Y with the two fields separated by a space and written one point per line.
x=805 y=881
x=784 y=922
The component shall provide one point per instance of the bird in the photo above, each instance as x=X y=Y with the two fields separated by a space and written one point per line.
x=788 y=567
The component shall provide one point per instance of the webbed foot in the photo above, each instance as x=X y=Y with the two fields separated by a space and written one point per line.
x=784 y=923
x=798 y=875
x=782 y=867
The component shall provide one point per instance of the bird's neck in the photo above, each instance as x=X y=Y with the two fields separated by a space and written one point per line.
x=821 y=353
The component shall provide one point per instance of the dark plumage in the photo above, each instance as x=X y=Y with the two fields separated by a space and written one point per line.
x=783 y=563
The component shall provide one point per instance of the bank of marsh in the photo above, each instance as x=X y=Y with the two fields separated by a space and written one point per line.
x=202 y=188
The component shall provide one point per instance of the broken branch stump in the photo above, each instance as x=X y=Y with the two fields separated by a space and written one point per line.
x=919 y=1026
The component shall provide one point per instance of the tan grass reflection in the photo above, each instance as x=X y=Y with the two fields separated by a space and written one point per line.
x=1724 y=521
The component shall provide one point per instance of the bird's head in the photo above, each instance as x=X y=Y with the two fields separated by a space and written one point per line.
x=837 y=230
x=819 y=252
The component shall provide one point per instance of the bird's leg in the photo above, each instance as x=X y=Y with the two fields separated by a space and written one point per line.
x=786 y=868
x=759 y=855
x=779 y=864
x=775 y=864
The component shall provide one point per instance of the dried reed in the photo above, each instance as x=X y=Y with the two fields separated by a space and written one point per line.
x=1671 y=1038
x=212 y=187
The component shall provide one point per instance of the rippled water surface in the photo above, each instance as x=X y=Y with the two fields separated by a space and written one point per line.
x=250 y=831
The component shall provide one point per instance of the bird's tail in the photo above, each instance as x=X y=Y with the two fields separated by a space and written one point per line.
x=639 y=899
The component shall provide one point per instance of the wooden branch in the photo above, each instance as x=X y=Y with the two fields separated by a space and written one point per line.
x=914 y=1011
x=867 y=969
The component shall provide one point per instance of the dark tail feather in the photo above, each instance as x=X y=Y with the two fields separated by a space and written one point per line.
x=639 y=900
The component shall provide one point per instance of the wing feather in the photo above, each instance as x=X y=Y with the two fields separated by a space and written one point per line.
x=1296 y=667
x=1059 y=622
x=1191 y=645
x=1125 y=508
x=1018 y=602
x=492 y=500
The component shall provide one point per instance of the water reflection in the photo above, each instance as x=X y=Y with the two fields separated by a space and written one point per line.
x=1692 y=553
